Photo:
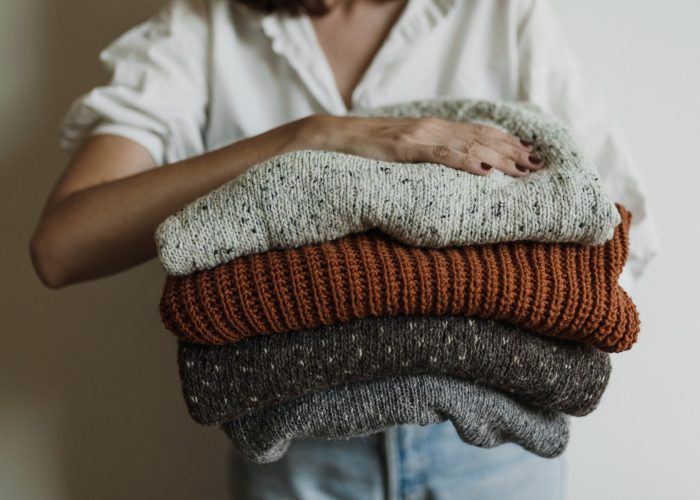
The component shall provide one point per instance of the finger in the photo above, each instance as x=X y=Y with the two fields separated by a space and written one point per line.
x=497 y=160
x=519 y=156
x=449 y=157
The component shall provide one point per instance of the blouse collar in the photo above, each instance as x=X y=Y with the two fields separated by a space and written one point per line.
x=294 y=38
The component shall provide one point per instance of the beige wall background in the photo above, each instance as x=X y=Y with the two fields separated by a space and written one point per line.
x=89 y=400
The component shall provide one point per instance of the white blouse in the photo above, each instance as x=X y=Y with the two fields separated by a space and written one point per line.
x=204 y=73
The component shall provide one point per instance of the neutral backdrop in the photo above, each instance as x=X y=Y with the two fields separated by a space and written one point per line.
x=89 y=399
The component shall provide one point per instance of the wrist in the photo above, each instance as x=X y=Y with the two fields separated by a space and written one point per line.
x=317 y=131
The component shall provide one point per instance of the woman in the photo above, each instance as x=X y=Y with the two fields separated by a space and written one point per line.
x=212 y=87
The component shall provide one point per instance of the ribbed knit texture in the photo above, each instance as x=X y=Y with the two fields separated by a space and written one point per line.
x=482 y=417
x=220 y=383
x=307 y=197
x=567 y=291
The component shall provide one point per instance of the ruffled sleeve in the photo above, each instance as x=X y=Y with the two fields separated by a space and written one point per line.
x=158 y=92
x=552 y=77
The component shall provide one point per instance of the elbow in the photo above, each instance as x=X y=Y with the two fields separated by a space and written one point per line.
x=46 y=266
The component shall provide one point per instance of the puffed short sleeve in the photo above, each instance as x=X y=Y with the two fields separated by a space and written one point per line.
x=552 y=77
x=158 y=91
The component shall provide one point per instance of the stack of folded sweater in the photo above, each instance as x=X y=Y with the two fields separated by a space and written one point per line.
x=327 y=295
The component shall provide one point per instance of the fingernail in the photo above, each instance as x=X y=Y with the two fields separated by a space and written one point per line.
x=486 y=166
x=525 y=143
x=522 y=168
x=534 y=159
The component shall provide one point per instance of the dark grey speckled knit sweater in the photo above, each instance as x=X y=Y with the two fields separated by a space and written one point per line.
x=222 y=383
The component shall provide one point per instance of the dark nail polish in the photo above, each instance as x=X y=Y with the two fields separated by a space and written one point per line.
x=534 y=159
x=486 y=166
x=525 y=143
x=521 y=168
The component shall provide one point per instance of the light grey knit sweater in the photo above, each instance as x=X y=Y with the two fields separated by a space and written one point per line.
x=310 y=196
x=482 y=417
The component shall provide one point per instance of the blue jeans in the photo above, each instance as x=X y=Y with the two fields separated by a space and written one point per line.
x=408 y=462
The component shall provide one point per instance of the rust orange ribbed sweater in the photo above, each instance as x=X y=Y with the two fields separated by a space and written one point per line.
x=568 y=291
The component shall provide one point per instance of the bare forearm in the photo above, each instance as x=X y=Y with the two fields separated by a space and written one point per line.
x=106 y=225
x=109 y=227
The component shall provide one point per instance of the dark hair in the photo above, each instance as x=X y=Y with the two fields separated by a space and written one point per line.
x=311 y=7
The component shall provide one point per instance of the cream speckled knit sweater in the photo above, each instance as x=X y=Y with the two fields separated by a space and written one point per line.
x=310 y=196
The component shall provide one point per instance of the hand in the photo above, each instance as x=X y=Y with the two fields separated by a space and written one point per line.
x=474 y=148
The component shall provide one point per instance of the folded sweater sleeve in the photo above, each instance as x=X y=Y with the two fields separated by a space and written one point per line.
x=552 y=76
x=158 y=92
